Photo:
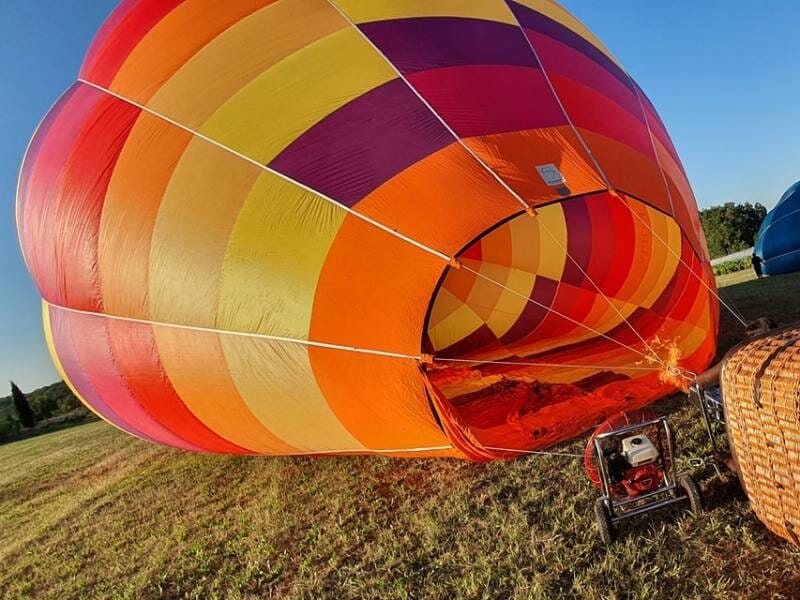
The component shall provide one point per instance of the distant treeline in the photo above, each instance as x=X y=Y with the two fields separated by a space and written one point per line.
x=731 y=227
x=51 y=404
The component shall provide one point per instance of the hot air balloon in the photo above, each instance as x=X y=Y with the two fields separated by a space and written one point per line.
x=777 y=246
x=412 y=227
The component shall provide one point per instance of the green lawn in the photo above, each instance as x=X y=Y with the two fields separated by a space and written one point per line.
x=89 y=512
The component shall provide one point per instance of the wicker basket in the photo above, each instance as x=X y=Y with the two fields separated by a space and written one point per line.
x=761 y=390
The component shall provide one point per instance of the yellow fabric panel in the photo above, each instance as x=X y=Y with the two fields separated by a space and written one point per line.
x=196 y=367
x=131 y=204
x=190 y=236
x=452 y=328
x=526 y=240
x=276 y=382
x=485 y=294
x=558 y=13
x=298 y=92
x=240 y=54
x=360 y=11
x=273 y=260
x=553 y=258
x=509 y=305
x=663 y=262
x=173 y=40
x=446 y=303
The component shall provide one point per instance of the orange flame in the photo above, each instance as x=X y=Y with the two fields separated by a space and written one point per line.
x=669 y=355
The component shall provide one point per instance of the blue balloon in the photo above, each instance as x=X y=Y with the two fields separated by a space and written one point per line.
x=778 y=244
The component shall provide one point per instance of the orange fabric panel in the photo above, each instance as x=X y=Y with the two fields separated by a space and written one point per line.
x=195 y=363
x=134 y=195
x=373 y=290
x=629 y=171
x=173 y=41
x=514 y=157
x=444 y=201
x=373 y=293
x=380 y=400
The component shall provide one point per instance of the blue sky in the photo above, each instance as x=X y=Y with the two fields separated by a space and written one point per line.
x=722 y=74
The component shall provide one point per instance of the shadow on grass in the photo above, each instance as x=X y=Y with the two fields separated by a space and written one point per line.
x=771 y=297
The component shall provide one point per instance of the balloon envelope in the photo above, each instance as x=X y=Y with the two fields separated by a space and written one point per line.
x=778 y=241
x=417 y=228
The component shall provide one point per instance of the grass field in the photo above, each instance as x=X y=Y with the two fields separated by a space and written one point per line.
x=91 y=513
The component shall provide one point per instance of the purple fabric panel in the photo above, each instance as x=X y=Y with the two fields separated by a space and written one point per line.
x=536 y=21
x=579 y=243
x=487 y=99
x=423 y=43
x=542 y=295
x=565 y=60
x=480 y=339
x=364 y=143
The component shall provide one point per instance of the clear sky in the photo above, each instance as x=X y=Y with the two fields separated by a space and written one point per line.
x=722 y=74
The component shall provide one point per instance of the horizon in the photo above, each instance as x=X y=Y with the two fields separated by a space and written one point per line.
x=723 y=98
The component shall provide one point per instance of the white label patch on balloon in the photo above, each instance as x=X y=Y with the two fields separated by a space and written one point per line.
x=551 y=175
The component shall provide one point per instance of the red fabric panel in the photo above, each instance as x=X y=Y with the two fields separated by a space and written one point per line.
x=39 y=189
x=119 y=36
x=623 y=232
x=65 y=181
x=61 y=326
x=80 y=200
x=136 y=356
x=93 y=351
x=591 y=110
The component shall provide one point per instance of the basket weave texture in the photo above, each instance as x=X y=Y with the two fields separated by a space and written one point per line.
x=761 y=390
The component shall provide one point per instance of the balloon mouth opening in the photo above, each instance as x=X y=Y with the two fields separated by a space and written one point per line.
x=499 y=358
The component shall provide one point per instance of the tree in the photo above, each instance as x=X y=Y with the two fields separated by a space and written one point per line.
x=731 y=227
x=24 y=411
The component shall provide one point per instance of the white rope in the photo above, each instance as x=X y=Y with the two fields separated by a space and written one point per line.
x=254 y=162
x=539 y=452
x=268 y=169
x=683 y=262
x=263 y=336
x=369 y=450
x=492 y=172
x=652 y=143
x=734 y=310
x=554 y=311
x=577 y=133
x=599 y=291
x=546 y=364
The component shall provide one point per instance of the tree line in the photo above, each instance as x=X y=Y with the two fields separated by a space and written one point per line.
x=19 y=411
x=731 y=227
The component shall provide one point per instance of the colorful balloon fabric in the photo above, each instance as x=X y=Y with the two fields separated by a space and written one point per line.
x=408 y=227
x=778 y=242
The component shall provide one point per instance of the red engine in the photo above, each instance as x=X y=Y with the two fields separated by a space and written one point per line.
x=633 y=464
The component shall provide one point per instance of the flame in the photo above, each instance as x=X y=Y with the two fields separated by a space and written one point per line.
x=669 y=356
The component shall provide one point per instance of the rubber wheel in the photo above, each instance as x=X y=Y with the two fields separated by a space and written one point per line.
x=603 y=520
x=692 y=492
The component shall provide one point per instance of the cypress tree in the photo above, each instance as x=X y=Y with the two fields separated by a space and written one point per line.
x=24 y=411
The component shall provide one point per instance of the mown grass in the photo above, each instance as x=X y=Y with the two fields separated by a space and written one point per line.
x=91 y=513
